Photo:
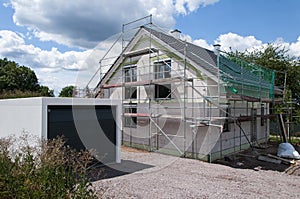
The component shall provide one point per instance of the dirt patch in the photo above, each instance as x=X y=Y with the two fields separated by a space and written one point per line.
x=248 y=159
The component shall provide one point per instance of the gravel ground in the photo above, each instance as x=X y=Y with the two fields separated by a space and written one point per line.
x=152 y=175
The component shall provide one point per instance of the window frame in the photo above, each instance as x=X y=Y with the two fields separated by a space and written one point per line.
x=130 y=75
x=130 y=121
x=132 y=70
x=162 y=69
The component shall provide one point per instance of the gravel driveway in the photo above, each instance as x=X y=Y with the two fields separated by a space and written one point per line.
x=152 y=175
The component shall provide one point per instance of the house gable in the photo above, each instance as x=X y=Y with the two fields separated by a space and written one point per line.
x=146 y=37
x=235 y=79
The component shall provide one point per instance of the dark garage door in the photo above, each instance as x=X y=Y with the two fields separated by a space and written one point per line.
x=85 y=127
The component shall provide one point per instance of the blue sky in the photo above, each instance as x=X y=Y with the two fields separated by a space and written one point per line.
x=57 y=38
x=265 y=19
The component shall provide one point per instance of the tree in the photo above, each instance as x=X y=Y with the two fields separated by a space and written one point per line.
x=45 y=91
x=276 y=58
x=67 y=91
x=20 y=81
x=15 y=77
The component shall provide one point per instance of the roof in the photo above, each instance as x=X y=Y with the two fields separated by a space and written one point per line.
x=202 y=57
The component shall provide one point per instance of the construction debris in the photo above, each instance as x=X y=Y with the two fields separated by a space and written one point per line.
x=286 y=150
x=285 y=161
x=268 y=159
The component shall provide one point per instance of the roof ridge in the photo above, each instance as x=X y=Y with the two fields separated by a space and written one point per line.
x=170 y=35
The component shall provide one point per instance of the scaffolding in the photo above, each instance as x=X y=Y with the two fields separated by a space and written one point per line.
x=182 y=99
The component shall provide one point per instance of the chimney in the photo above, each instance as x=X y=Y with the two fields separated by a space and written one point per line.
x=217 y=49
x=176 y=33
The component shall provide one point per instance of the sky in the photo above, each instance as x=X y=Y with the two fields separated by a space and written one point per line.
x=63 y=41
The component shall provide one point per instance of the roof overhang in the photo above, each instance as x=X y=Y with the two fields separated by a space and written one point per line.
x=140 y=52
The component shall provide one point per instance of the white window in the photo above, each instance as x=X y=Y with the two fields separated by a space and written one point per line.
x=130 y=117
x=130 y=74
x=162 y=69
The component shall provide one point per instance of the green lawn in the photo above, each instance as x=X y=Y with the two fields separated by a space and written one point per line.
x=294 y=139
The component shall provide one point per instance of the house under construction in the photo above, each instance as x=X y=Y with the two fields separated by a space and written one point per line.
x=182 y=99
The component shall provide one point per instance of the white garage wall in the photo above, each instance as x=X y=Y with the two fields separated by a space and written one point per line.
x=29 y=115
x=21 y=115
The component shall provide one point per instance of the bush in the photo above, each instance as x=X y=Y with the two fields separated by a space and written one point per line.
x=48 y=169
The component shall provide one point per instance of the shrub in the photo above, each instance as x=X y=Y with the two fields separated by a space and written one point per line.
x=43 y=91
x=48 y=169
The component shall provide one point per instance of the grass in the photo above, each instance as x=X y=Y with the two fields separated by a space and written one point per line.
x=277 y=138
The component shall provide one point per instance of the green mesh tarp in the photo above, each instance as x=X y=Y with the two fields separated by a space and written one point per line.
x=246 y=79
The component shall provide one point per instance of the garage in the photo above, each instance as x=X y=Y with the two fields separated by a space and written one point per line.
x=92 y=124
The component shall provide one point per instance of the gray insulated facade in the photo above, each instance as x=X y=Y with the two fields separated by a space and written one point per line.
x=182 y=99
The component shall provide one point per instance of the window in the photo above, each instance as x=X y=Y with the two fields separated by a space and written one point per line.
x=130 y=92
x=130 y=74
x=163 y=91
x=130 y=118
x=162 y=69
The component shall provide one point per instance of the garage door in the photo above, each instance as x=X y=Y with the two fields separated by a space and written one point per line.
x=85 y=127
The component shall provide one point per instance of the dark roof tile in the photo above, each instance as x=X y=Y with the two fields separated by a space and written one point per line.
x=202 y=57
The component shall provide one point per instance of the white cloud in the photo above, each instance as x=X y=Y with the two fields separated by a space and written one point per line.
x=13 y=46
x=193 y=5
x=293 y=48
x=233 y=41
x=9 y=38
x=180 y=7
x=53 y=68
x=199 y=42
x=187 y=6
x=203 y=44
x=185 y=37
x=236 y=42
x=84 y=24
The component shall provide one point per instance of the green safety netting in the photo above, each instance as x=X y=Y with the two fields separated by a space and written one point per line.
x=246 y=79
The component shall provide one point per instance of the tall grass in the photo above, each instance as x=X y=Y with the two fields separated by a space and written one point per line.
x=48 y=169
